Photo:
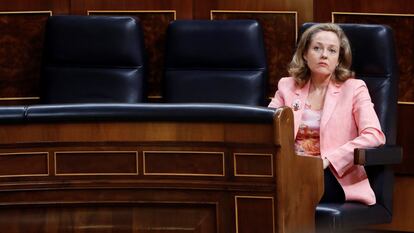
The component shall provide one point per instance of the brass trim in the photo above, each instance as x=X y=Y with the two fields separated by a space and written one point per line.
x=134 y=11
x=366 y=13
x=254 y=154
x=25 y=12
x=18 y=98
x=405 y=103
x=154 y=97
x=253 y=197
x=261 y=12
x=28 y=153
x=94 y=174
x=183 y=174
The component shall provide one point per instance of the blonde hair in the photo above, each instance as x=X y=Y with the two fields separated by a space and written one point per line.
x=298 y=68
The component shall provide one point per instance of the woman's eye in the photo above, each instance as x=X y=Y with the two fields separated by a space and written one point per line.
x=316 y=48
x=333 y=51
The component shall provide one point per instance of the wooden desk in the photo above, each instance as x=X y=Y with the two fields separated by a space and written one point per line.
x=156 y=177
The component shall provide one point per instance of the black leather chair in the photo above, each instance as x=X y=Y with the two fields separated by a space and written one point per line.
x=219 y=61
x=374 y=61
x=90 y=59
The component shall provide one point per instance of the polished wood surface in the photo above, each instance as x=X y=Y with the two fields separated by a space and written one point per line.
x=149 y=176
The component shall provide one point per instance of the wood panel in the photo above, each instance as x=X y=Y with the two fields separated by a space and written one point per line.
x=403 y=27
x=323 y=8
x=247 y=211
x=139 y=218
x=28 y=164
x=279 y=41
x=182 y=7
x=96 y=162
x=304 y=8
x=56 y=6
x=21 y=48
x=186 y=162
x=253 y=165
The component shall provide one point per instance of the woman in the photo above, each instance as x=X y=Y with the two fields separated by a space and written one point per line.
x=333 y=112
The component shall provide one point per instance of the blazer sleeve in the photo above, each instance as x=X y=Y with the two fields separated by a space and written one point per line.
x=369 y=131
x=278 y=99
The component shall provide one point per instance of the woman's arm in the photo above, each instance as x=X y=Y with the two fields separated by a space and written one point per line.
x=369 y=131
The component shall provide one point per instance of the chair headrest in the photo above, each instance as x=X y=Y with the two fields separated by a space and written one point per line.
x=84 y=40
x=215 y=44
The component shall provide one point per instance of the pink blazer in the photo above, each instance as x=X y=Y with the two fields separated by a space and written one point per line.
x=348 y=121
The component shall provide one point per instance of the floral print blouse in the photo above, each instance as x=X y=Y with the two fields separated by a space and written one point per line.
x=307 y=138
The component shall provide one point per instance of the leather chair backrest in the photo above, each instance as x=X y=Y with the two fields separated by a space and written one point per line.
x=218 y=61
x=374 y=61
x=93 y=59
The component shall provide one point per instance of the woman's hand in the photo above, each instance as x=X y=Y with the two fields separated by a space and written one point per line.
x=326 y=163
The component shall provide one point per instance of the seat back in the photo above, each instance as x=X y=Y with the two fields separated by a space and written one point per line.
x=219 y=61
x=93 y=59
x=374 y=61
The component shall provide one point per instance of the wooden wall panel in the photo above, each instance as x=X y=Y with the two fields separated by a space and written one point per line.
x=21 y=45
x=279 y=41
x=304 y=8
x=184 y=8
x=56 y=6
x=21 y=42
x=323 y=8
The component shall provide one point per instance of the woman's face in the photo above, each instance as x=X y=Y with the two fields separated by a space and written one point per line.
x=323 y=53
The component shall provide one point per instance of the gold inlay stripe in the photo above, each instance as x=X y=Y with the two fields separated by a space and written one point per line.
x=366 y=13
x=18 y=98
x=253 y=197
x=95 y=152
x=29 y=153
x=405 y=103
x=26 y=12
x=132 y=11
x=182 y=174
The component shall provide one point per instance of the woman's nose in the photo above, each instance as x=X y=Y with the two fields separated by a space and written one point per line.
x=324 y=53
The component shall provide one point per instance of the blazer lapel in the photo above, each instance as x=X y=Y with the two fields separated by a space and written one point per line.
x=331 y=99
x=298 y=104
